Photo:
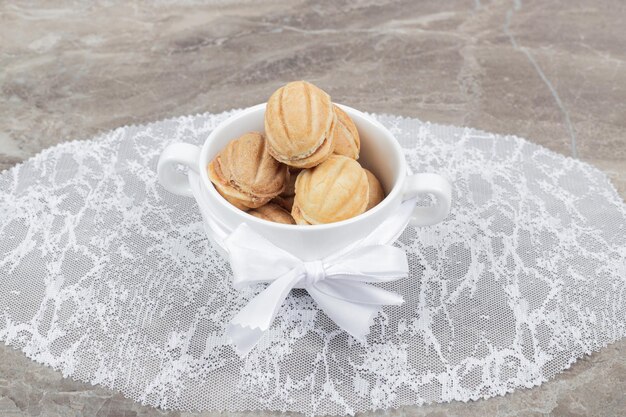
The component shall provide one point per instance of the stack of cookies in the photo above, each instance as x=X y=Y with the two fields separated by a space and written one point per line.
x=304 y=170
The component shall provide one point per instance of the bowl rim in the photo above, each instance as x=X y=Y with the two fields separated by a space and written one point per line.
x=245 y=217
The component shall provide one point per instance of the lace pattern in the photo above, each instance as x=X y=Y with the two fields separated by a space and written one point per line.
x=109 y=278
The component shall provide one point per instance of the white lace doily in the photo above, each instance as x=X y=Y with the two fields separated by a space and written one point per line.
x=109 y=278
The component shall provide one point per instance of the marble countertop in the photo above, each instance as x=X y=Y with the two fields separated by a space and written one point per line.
x=553 y=73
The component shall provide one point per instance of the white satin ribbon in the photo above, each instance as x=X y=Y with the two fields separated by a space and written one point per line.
x=339 y=284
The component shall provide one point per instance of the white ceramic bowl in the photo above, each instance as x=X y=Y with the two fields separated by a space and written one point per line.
x=380 y=153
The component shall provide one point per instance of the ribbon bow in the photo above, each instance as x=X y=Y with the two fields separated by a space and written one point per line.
x=339 y=284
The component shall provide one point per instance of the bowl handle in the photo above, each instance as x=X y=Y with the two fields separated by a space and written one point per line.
x=433 y=184
x=171 y=178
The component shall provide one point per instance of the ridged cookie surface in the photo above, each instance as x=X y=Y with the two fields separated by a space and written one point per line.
x=298 y=120
x=248 y=166
x=234 y=196
x=297 y=216
x=347 y=140
x=335 y=190
x=376 y=192
x=273 y=213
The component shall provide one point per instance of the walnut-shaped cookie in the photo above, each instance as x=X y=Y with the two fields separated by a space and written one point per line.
x=335 y=190
x=300 y=125
x=246 y=174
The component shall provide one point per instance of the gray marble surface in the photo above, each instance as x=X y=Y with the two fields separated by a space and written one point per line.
x=552 y=72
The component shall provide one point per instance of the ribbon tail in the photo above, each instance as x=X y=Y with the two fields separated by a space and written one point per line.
x=247 y=327
x=354 y=318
